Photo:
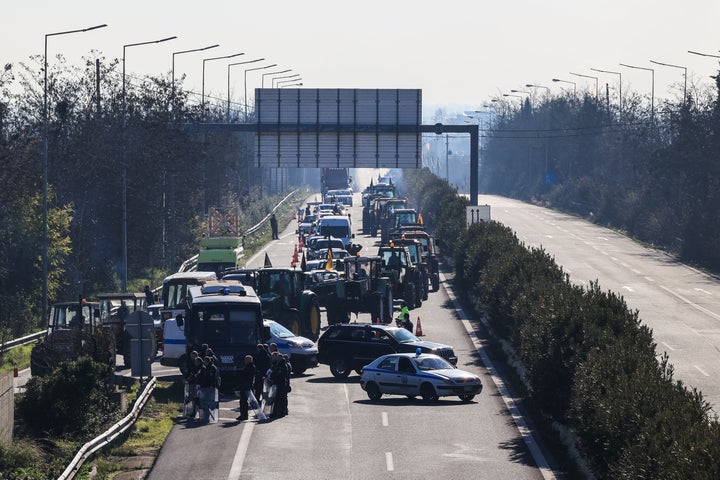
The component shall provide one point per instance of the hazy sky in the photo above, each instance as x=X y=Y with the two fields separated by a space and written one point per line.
x=457 y=52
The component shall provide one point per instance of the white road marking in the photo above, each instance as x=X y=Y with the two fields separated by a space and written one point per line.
x=548 y=236
x=702 y=290
x=602 y=238
x=624 y=264
x=668 y=346
x=692 y=304
x=649 y=279
x=701 y=371
x=385 y=419
x=389 y=461
x=614 y=259
x=241 y=450
x=604 y=253
x=625 y=287
x=517 y=417
x=635 y=271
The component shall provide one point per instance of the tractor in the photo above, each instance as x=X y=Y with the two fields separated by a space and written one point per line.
x=406 y=278
x=364 y=289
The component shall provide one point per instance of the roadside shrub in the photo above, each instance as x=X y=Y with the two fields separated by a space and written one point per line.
x=73 y=401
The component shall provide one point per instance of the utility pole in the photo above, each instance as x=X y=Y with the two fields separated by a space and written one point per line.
x=447 y=158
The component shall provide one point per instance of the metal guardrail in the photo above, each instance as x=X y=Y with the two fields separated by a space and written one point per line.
x=33 y=337
x=111 y=434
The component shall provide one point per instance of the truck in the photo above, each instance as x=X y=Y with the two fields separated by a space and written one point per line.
x=174 y=302
x=335 y=179
x=73 y=330
x=227 y=316
x=221 y=248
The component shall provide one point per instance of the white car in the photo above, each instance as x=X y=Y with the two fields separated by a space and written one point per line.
x=302 y=351
x=419 y=374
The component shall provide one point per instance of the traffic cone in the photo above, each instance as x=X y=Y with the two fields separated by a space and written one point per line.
x=295 y=256
x=377 y=319
x=15 y=371
x=418 y=328
x=302 y=244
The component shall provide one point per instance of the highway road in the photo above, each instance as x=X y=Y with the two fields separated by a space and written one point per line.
x=333 y=430
x=680 y=303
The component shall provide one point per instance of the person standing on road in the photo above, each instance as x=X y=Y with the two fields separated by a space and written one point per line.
x=209 y=382
x=262 y=364
x=279 y=377
x=245 y=387
x=274 y=226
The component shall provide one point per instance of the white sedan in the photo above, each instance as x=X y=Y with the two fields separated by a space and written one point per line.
x=413 y=374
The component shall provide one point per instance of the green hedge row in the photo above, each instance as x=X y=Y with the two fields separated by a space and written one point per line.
x=590 y=364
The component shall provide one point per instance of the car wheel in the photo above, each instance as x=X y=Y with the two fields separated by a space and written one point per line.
x=293 y=323
x=428 y=394
x=373 y=391
x=340 y=367
x=409 y=296
x=388 y=308
x=299 y=371
x=467 y=397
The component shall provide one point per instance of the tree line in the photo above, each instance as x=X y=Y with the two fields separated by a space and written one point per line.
x=95 y=136
x=652 y=172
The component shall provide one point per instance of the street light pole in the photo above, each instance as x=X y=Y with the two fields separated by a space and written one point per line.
x=619 y=74
x=589 y=76
x=228 y=81
x=652 y=89
x=567 y=81
x=173 y=69
x=45 y=247
x=205 y=60
x=684 y=75
x=530 y=85
x=273 y=73
x=245 y=83
x=294 y=78
x=124 y=174
x=291 y=85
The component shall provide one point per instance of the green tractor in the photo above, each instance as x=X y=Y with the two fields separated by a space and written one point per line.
x=285 y=300
x=364 y=289
x=406 y=277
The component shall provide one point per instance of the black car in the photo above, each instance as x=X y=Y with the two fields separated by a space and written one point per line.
x=346 y=347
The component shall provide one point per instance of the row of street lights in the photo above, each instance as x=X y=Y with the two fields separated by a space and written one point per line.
x=619 y=74
x=45 y=255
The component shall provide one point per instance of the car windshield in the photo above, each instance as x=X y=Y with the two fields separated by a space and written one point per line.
x=279 y=331
x=403 y=336
x=431 y=363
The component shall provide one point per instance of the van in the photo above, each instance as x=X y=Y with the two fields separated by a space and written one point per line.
x=337 y=226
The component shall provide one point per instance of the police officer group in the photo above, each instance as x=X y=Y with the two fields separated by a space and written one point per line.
x=266 y=376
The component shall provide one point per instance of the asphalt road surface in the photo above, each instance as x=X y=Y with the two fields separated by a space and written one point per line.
x=334 y=431
x=679 y=303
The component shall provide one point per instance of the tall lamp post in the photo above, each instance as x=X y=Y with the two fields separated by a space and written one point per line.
x=567 y=81
x=124 y=174
x=228 y=85
x=205 y=60
x=619 y=74
x=652 y=88
x=704 y=54
x=273 y=73
x=588 y=76
x=291 y=85
x=684 y=75
x=245 y=83
x=45 y=166
x=547 y=89
x=294 y=78
x=173 y=68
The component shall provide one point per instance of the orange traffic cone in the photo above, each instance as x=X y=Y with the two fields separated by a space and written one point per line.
x=418 y=328
x=302 y=244
x=295 y=256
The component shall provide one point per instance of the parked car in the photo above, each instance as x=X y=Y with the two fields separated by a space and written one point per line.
x=351 y=346
x=418 y=374
x=302 y=351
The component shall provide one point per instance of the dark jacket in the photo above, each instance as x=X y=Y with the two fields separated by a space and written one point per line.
x=247 y=377
x=209 y=377
x=262 y=362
